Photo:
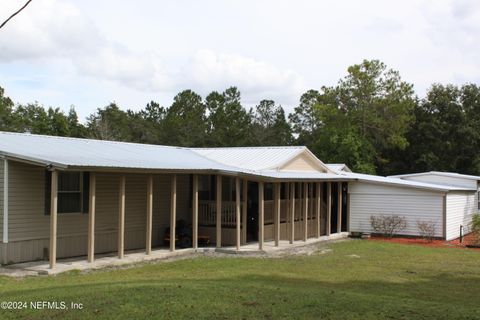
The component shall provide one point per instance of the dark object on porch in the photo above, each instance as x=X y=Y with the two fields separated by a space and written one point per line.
x=183 y=236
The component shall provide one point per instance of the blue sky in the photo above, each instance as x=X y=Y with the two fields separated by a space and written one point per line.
x=88 y=53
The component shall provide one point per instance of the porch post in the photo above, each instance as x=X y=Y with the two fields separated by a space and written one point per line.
x=329 y=207
x=261 y=212
x=348 y=210
x=173 y=211
x=237 y=211
x=91 y=218
x=121 y=218
x=149 y=215
x=318 y=207
x=53 y=219
x=195 y=213
x=292 y=212
x=218 y=212
x=339 y=208
x=244 y=210
x=305 y=211
x=277 y=212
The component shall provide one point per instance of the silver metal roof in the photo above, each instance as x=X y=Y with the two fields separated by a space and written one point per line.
x=73 y=152
x=338 y=167
x=438 y=173
x=401 y=182
x=255 y=162
x=252 y=158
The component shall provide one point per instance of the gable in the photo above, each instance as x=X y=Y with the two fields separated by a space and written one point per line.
x=303 y=162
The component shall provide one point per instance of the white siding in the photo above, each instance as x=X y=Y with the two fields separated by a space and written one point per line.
x=367 y=199
x=444 y=180
x=460 y=208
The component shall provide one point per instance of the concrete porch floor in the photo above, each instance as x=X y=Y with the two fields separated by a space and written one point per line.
x=138 y=256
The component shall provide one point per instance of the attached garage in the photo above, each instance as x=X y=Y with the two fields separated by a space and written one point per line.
x=450 y=208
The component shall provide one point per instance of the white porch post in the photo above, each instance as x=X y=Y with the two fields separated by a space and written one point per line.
x=218 y=213
x=195 y=212
x=53 y=219
x=121 y=218
x=244 y=210
x=329 y=208
x=318 y=207
x=237 y=211
x=277 y=212
x=173 y=211
x=339 y=208
x=292 y=212
x=91 y=217
x=149 y=215
x=261 y=214
x=305 y=211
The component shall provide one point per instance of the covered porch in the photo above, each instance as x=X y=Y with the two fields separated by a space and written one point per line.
x=227 y=211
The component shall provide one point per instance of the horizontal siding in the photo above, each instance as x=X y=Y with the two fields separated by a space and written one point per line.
x=370 y=199
x=301 y=163
x=2 y=164
x=30 y=225
x=460 y=208
x=443 y=180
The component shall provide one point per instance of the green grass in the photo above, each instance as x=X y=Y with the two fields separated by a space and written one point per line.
x=386 y=281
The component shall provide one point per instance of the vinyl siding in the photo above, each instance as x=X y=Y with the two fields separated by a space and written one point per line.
x=2 y=164
x=30 y=227
x=460 y=208
x=443 y=180
x=302 y=162
x=367 y=199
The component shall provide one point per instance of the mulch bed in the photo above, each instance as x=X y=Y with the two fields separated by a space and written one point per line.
x=467 y=240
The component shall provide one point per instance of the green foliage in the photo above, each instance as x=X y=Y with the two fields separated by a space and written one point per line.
x=475 y=227
x=270 y=126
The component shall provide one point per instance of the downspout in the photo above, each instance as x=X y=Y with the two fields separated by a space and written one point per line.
x=444 y=231
x=5 y=201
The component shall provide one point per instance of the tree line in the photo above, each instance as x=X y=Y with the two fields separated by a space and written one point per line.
x=372 y=120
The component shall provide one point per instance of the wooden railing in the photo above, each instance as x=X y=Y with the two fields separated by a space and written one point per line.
x=207 y=212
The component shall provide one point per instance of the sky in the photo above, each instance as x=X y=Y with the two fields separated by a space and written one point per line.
x=89 y=53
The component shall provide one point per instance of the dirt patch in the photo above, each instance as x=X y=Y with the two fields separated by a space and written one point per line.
x=467 y=240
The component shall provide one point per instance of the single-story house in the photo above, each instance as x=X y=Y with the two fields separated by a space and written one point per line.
x=66 y=197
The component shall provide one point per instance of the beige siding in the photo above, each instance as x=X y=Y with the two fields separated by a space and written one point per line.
x=460 y=208
x=29 y=226
x=302 y=162
x=2 y=164
x=368 y=199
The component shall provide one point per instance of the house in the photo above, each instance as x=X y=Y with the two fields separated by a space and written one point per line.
x=66 y=197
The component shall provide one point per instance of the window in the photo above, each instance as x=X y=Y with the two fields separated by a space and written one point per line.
x=69 y=192
x=72 y=192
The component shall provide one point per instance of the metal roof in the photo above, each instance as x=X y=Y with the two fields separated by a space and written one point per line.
x=252 y=158
x=438 y=173
x=338 y=167
x=401 y=182
x=77 y=153
x=74 y=152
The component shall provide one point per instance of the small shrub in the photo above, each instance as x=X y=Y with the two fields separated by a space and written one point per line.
x=426 y=229
x=475 y=227
x=388 y=225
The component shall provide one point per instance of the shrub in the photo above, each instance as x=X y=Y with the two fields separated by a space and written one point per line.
x=426 y=229
x=475 y=227
x=388 y=225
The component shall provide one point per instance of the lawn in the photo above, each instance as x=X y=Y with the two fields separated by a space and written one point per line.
x=357 y=279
